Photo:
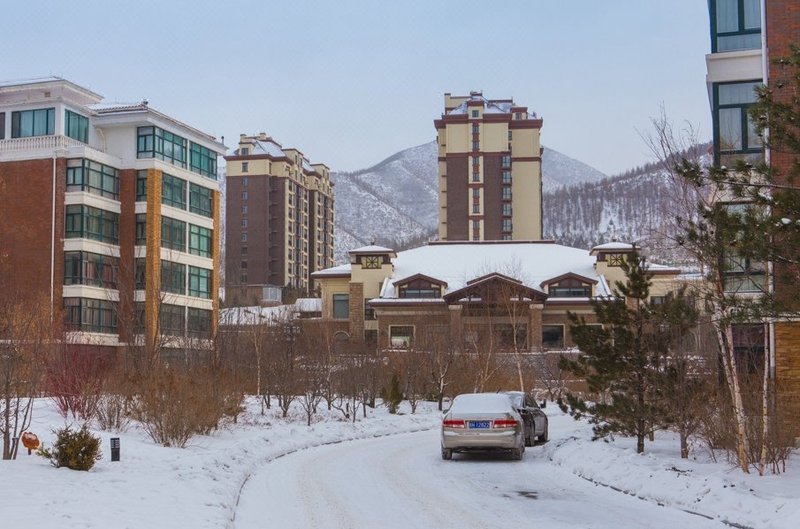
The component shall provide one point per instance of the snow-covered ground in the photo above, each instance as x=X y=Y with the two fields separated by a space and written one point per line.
x=218 y=480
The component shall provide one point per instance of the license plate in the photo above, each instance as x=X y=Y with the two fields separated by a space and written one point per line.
x=480 y=424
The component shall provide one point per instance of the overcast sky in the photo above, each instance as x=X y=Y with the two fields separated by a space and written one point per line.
x=352 y=82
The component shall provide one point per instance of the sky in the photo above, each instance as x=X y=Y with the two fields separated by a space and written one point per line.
x=351 y=82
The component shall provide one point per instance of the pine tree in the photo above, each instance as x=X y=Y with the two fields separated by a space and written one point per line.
x=624 y=361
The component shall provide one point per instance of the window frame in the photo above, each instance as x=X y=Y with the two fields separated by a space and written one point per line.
x=171 y=228
x=556 y=345
x=80 y=122
x=340 y=306
x=17 y=118
x=741 y=31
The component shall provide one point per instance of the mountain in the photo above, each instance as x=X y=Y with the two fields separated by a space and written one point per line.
x=394 y=202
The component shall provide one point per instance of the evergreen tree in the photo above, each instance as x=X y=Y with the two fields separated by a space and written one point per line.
x=624 y=361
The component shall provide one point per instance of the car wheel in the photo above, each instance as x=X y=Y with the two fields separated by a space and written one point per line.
x=447 y=454
x=542 y=438
x=516 y=453
x=528 y=440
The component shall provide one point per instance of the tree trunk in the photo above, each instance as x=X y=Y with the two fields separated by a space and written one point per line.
x=765 y=398
x=684 y=444
x=725 y=338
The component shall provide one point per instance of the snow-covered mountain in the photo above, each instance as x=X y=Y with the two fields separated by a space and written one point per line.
x=395 y=201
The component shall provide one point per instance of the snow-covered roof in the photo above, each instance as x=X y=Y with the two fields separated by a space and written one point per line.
x=255 y=315
x=117 y=107
x=457 y=263
x=490 y=106
x=613 y=246
x=336 y=271
x=372 y=248
x=269 y=147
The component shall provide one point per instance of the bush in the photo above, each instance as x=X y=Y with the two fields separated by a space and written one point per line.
x=78 y=450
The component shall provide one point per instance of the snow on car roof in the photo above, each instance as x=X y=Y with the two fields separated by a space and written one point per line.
x=481 y=403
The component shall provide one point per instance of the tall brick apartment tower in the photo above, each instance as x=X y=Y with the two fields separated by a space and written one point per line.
x=279 y=221
x=111 y=211
x=490 y=170
x=747 y=36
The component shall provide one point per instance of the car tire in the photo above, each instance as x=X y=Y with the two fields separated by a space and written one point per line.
x=529 y=440
x=447 y=454
x=516 y=453
x=542 y=438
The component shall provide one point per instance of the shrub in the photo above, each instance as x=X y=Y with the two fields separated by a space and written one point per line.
x=78 y=450
x=394 y=396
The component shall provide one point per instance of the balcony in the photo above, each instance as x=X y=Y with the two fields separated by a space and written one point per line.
x=48 y=146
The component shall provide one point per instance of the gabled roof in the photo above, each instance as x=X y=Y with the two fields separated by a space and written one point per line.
x=579 y=277
x=477 y=287
x=419 y=276
x=371 y=249
x=493 y=275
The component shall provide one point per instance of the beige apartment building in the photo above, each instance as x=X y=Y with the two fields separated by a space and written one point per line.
x=279 y=221
x=490 y=170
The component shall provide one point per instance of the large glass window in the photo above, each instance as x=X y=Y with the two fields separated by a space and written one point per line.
x=200 y=200
x=735 y=25
x=76 y=126
x=171 y=319
x=420 y=288
x=91 y=223
x=85 y=268
x=39 y=122
x=200 y=240
x=173 y=191
x=92 y=177
x=734 y=129
x=153 y=142
x=141 y=229
x=401 y=336
x=173 y=234
x=199 y=323
x=141 y=186
x=553 y=336
x=199 y=282
x=569 y=288
x=173 y=277
x=341 y=306
x=740 y=273
x=90 y=315
x=2 y=125
x=203 y=160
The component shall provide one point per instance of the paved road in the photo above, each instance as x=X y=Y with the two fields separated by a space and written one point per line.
x=400 y=482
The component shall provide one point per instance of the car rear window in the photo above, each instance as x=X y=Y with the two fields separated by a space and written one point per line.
x=481 y=403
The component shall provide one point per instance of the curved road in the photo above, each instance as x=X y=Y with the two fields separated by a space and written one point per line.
x=400 y=482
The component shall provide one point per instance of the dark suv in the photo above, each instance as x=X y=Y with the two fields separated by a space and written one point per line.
x=534 y=418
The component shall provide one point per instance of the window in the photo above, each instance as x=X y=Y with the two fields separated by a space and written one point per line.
x=734 y=130
x=245 y=167
x=341 y=306
x=200 y=240
x=735 y=25
x=506 y=176
x=244 y=181
x=244 y=209
x=370 y=336
x=476 y=177
x=85 y=268
x=749 y=347
x=244 y=151
x=173 y=234
x=553 y=336
x=506 y=226
x=27 y=123
x=202 y=160
x=153 y=142
x=173 y=191
x=740 y=273
x=90 y=315
x=244 y=195
x=505 y=161
x=506 y=209
x=476 y=224
x=2 y=125
x=173 y=277
x=244 y=237
x=91 y=223
x=509 y=335
x=615 y=259
x=658 y=300
x=199 y=323
x=476 y=192
x=201 y=200
x=509 y=135
x=506 y=193
x=199 y=282
x=420 y=288
x=76 y=126
x=569 y=288
x=476 y=145
x=475 y=113
x=140 y=267
x=475 y=128
x=243 y=251
x=369 y=312
x=171 y=320
x=141 y=186
x=476 y=208
x=92 y=177
x=141 y=229
x=401 y=336
x=244 y=223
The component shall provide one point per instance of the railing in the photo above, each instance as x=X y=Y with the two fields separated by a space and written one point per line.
x=39 y=142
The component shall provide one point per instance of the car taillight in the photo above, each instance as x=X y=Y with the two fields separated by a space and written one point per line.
x=504 y=423
x=448 y=423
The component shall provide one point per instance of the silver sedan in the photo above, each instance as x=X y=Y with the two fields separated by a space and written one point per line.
x=482 y=421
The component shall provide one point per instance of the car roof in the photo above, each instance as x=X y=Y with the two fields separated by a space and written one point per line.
x=482 y=402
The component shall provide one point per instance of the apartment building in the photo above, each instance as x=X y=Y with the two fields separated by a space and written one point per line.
x=279 y=221
x=113 y=211
x=490 y=170
x=747 y=36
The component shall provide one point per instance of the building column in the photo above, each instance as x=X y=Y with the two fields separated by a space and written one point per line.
x=535 y=326
x=152 y=276
x=356 y=310
x=456 y=323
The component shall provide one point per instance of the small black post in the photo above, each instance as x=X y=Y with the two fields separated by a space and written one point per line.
x=115 y=449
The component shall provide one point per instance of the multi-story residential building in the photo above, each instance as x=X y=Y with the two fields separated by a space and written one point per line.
x=490 y=170
x=747 y=36
x=112 y=210
x=279 y=220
